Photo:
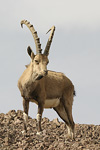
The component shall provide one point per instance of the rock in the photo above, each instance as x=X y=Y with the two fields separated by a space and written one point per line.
x=54 y=134
x=11 y=113
x=17 y=121
x=6 y=141
x=56 y=121
x=19 y=149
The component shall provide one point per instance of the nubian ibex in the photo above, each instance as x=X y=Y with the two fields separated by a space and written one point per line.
x=48 y=89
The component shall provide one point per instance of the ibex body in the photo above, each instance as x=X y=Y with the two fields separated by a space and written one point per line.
x=48 y=89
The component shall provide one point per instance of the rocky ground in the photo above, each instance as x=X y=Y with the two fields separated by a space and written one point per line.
x=54 y=137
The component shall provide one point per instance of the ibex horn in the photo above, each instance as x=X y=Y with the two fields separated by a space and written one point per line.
x=34 y=34
x=46 y=51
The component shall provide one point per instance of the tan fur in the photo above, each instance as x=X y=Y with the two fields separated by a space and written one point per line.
x=48 y=89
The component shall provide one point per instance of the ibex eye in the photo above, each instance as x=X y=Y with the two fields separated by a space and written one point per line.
x=37 y=61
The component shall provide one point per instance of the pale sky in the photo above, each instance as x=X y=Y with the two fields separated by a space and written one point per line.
x=75 y=51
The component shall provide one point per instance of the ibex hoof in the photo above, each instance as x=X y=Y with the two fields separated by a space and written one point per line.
x=39 y=133
x=71 y=136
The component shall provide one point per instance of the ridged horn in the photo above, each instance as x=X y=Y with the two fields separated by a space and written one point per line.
x=34 y=34
x=46 y=51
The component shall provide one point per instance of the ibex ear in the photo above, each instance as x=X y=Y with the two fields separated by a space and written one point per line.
x=30 y=52
x=32 y=55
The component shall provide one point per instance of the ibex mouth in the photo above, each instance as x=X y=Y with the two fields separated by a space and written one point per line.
x=42 y=75
x=39 y=77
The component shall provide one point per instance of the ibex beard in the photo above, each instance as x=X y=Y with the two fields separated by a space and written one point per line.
x=48 y=89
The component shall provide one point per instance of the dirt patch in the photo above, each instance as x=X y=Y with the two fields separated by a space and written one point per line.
x=54 y=134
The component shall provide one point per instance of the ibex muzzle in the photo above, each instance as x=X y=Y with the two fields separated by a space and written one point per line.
x=48 y=89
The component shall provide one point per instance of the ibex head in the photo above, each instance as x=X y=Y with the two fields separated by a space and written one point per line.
x=39 y=61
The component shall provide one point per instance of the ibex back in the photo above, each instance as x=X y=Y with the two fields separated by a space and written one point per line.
x=48 y=89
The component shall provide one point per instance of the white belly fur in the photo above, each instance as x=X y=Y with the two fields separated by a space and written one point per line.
x=49 y=103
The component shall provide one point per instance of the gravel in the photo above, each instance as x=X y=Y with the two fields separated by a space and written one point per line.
x=54 y=134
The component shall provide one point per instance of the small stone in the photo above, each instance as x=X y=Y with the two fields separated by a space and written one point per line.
x=19 y=149
x=6 y=141
x=61 y=145
x=46 y=139
x=54 y=126
x=44 y=120
x=25 y=147
x=56 y=121
x=17 y=121
x=44 y=132
x=51 y=147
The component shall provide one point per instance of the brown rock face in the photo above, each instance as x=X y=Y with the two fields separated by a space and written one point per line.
x=54 y=134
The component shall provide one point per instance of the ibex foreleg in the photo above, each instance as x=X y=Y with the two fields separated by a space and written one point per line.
x=39 y=118
x=25 y=114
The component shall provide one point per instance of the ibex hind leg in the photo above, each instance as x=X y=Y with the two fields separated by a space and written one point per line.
x=25 y=113
x=60 y=109
x=67 y=103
